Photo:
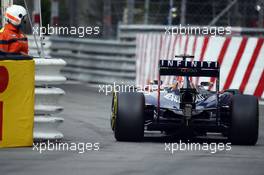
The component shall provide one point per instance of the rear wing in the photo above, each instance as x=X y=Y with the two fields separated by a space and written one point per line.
x=189 y=68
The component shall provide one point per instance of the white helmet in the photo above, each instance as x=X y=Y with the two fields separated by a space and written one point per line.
x=15 y=14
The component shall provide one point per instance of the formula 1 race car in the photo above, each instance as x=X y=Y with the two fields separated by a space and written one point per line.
x=189 y=108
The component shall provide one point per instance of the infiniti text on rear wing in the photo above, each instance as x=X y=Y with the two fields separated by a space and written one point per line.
x=189 y=68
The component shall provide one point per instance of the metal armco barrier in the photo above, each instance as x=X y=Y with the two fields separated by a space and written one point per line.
x=33 y=48
x=47 y=98
x=241 y=58
x=96 y=61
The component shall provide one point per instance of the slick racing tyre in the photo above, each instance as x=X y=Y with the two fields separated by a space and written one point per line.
x=244 y=120
x=129 y=121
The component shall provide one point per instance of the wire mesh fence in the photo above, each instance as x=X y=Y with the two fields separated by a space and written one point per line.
x=108 y=14
x=242 y=13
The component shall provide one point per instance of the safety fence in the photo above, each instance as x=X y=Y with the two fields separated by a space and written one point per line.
x=90 y=60
x=95 y=61
x=241 y=58
x=47 y=96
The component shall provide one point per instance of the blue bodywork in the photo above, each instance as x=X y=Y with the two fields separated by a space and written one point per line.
x=170 y=99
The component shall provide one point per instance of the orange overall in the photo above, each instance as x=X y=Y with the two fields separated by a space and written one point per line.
x=13 y=40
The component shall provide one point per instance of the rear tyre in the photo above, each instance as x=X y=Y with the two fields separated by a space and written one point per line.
x=129 y=124
x=244 y=120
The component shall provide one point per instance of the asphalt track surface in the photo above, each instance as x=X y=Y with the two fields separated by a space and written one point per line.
x=87 y=120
